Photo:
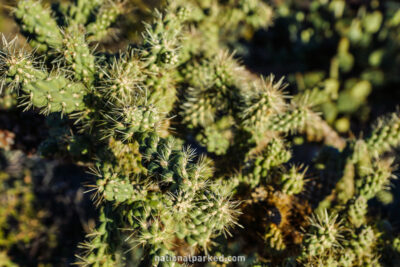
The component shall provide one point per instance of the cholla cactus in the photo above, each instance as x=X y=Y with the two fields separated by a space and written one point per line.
x=292 y=182
x=134 y=117
x=385 y=134
x=274 y=238
x=325 y=235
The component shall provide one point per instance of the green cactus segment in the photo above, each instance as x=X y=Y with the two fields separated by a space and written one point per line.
x=275 y=154
x=118 y=190
x=163 y=160
x=124 y=80
x=159 y=159
x=38 y=24
x=358 y=250
x=19 y=68
x=260 y=170
x=81 y=11
x=217 y=72
x=217 y=136
x=357 y=210
x=360 y=158
x=199 y=109
x=266 y=101
x=78 y=55
x=163 y=92
x=107 y=14
x=128 y=121
x=385 y=135
x=201 y=229
x=255 y=12
x=318 y=129
x=223 y=73
x=211 y=83
x=48 y=92
x=55 y=94
x=375 y=180
x=363 y=176
x=323 y=236
x=396 y=244
x=161 y=40
x=362 y=245
x=293 y=120
x=99 y=251
x=292 y=182
x=160 y=54
x=162 y=253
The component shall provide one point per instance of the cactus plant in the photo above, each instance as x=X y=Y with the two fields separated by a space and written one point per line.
x=192 y=152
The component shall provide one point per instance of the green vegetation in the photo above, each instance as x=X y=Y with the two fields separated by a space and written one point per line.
x=191 y=152
x=345 y=52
